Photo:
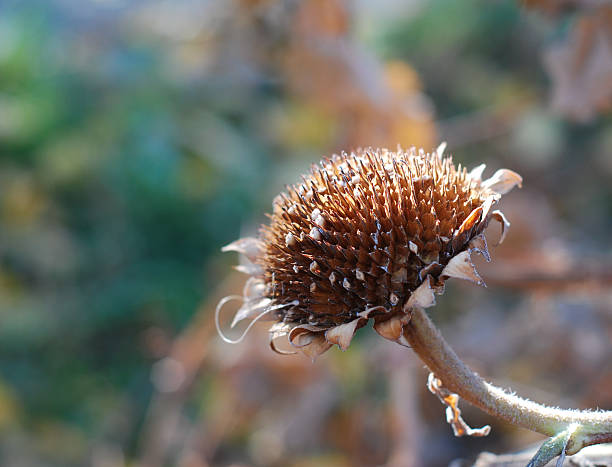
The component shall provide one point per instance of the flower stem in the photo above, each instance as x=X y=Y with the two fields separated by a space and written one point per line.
x=587 y=427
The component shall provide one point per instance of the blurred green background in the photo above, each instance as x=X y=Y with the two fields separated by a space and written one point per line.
x=138 y=137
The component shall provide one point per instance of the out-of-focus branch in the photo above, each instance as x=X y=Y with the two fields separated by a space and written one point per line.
x=173 y=377
x=576 y=278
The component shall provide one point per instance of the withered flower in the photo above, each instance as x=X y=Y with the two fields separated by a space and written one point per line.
x=366 y=235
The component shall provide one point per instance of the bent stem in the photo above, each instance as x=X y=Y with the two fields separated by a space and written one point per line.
x=581 y=428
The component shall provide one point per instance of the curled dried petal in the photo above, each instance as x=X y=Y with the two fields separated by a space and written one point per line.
x=304 y=334
x=469 y=221
x=461 y=267
x=499 y=217
x=503 y=181
x=316 y=347
x=422 y=297
x=343 y=334
x=479 y=244
x=453 y=413
x=279 y=351
x=486 y=207
x=250 y=309
x=248 y=246
x=392 y=328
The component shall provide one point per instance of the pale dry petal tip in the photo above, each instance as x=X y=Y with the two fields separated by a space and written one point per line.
x=479 y=244
x=440 y=149
x=303 y=335
x=343 y=334
x=368 y=311
x=486 y=206
x=276 y=331
x=461 y=267
x=476 y=173
x=413 y=247
x=499 y=217
x=461 y=235
x=250 y=269
x=248 y=246
x=392 y=329
x=422 y=297
x=503 y=181
x=250 y=309
x=318 y=346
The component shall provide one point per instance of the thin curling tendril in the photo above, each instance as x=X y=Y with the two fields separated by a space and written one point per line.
x=229 y=298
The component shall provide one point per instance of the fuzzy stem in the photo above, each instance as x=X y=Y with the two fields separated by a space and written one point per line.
x=588 y=427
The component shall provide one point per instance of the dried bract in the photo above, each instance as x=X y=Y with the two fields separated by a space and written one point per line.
x=368 y=235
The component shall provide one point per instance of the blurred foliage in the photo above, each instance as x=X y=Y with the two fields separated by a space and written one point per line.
x=137 y=138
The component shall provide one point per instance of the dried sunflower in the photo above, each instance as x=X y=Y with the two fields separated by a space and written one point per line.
x=366 y=235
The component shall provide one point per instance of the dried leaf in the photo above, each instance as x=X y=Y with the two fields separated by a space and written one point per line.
x=453 y=413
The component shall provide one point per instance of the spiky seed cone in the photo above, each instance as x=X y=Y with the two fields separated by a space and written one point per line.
x=369 y=234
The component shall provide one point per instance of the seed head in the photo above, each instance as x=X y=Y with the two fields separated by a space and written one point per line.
x=367 y=235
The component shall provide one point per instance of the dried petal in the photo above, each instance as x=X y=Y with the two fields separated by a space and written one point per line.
x=486 y=207
x=503 y=181
x=253 y=289
x=248 y=246
x=391 y=328
x=249 y=268
x=343 y=334
x=422 y=297
x=250 y=309
x=479 y=244
x=370 y=312
x=476 y=173
x=469 y=221
x=440 y=149
x=304 y=334
x=461 y=267
x=413 y=247
x=499 y=217
x=280 y=351
x=462 y=234
x=316 y=347
x=279 y=329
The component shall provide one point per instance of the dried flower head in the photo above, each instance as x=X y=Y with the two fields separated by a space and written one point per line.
x=366 y=235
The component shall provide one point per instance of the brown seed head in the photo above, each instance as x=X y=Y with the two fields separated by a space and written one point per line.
x=370 y=234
